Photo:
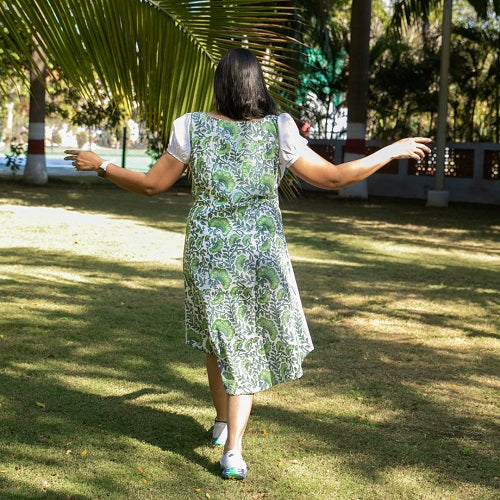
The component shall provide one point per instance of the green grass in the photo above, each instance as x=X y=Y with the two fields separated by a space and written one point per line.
x=100 y=398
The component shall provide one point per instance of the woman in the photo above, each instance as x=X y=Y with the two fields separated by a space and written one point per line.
x=242 y=305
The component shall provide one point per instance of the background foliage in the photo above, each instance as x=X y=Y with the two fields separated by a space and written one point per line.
x=404 y=74
x=158 y=83
x=404 y=68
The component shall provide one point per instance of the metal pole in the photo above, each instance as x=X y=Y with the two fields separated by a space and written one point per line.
x=124 y=146
x=443 y=96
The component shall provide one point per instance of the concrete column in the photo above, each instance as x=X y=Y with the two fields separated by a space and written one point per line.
x=357 y=91
x=439 y=197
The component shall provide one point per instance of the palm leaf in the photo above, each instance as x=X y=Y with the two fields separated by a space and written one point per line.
x=157 y=57
x=407 y=11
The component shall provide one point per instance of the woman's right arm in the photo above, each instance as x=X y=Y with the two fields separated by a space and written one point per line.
x=160 y=177
x=321 y=173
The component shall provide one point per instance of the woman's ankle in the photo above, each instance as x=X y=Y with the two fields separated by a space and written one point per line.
x=229 y=446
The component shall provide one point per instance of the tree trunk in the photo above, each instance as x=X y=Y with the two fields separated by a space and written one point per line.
x=9 y=123
x=357 y=90
x=35 y=171
x=438 y=197
x=497 y=103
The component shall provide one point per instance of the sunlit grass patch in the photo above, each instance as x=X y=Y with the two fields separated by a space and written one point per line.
x=399 y=399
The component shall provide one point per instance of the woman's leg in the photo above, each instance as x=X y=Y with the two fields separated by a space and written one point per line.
x=238 y=413
x=217 y=391
x=235 y=410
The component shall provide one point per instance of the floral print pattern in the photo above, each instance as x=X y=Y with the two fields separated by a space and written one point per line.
x=242 y=302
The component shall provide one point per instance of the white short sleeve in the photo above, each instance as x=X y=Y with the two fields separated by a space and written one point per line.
x=179 y=145
x=292 y=144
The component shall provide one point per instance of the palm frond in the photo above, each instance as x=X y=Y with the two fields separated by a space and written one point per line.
x=156 y=56
x=408 y=11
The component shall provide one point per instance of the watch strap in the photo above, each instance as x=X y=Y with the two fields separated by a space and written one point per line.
x=104 y=165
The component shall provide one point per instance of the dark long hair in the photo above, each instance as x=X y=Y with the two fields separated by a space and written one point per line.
x=239 y=87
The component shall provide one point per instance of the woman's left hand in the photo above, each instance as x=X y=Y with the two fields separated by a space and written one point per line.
x=84 y=160
x=412 y=147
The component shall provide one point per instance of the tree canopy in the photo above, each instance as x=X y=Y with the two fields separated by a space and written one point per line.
x=156 y=58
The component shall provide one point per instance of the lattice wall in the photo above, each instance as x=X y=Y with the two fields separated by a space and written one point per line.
x=327 y=151
x=458 y=163
x=491 y=168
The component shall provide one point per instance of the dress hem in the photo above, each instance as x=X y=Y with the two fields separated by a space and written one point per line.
x=261 y=388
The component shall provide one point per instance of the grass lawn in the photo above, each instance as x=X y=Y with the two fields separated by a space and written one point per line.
x=100 y=398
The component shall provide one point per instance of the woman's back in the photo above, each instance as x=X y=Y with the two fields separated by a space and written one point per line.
x=234 y=162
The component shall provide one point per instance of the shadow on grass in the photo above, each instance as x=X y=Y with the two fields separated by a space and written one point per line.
x=402 y=222
x=438 y=434
x=123 y=323
x=406 y=212
x=113 y=324
x=109 y=330
x=69 y=411
x=373 y=218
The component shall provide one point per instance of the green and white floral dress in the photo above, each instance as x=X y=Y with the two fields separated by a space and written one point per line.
x=242 y=302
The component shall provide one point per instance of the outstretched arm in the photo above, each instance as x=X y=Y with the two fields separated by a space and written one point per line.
x=321 y=173
x=161 y=177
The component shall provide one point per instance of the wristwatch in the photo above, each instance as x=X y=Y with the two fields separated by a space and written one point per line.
x=101 y=171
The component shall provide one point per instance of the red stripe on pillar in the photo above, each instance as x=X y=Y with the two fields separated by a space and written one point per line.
x=357 y=146
x=36 y=146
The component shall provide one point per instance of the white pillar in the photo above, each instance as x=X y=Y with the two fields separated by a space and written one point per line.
x=354 y=148
x=35 y=171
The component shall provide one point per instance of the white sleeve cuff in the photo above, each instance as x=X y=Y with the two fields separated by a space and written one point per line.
x=292 y=144
x=179 y=145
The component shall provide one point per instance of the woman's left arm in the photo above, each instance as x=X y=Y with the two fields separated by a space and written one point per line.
x=321 y=173
x=160 y=177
